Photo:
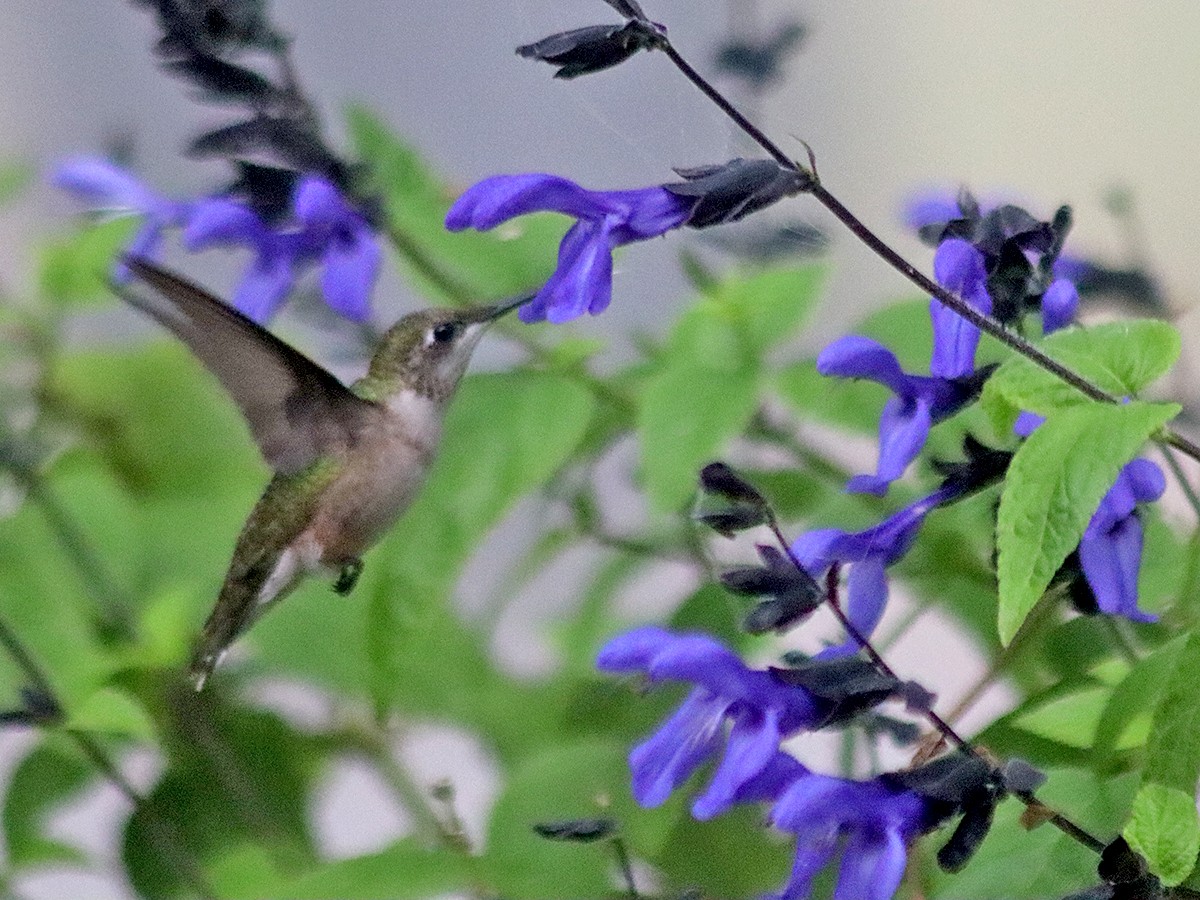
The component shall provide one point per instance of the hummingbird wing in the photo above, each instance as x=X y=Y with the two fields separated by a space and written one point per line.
x=297 y=410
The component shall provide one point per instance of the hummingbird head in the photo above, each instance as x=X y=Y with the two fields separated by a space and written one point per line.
x=427 y=351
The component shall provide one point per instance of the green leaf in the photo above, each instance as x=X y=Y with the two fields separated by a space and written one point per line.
x=768 y=306
x=49 y=775
x=1164 y=829
x=703 y=393
x=513 y=257
x=402 y=871
x=687 y=417
x=846 y=402
x=234 y=778
x=112 y=711
x=1054 y=485
x=1121 y=358
x=1071 y=719
x=1127 y=718
x=74 y=270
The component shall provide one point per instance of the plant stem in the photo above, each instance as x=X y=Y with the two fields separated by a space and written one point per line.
x=113 y=602
x=980 y=320
x=159 y=831
x=941 y=725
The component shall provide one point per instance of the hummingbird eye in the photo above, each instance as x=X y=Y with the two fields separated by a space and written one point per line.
x=445 y=333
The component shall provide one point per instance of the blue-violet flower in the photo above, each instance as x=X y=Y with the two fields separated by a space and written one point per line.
x=582 y=281
x=1110 y=550
x=920 y=401
x=325 y=229
x=113 y=191
x=763 y=711
x=875 y=821
x=868 y=553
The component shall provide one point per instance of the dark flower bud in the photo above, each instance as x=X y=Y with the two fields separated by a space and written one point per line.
x=726 y=193
x=37 y=708
x=982 y=466
x=794 y=593
x=718 y=478
x=972 y=828
x=1133 y=286
x=276 y=142
x=579 y=830
x=268 y=189
x=902 y=733
x=917 y=699
x=212 y=24
x=845 y=686
x=950 y=781
x=1119 y=863
x=760 y=62
x=727 y=503
x=223 y=81
x=1022 y=778
x=594 y=48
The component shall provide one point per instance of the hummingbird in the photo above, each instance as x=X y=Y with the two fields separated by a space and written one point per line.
x=347 y=460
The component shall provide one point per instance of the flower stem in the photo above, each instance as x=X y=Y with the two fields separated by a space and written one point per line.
x=1061 y=822
x=858 y=228
x=161 y=832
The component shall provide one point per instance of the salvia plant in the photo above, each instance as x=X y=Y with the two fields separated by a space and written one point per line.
x=1020 y=457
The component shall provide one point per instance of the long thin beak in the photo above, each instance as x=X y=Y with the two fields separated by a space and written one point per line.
x=508 y=306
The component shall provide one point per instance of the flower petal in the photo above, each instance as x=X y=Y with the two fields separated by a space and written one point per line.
x=502 y=197
x=903 y=429
x=633 y=650
x=752 y=745
x=1146 y=480
x=872 y=866
x=263 y=287
x=318 y=203
x=104 y=185
x=681 y=744
x=859 y=357
x=583 y=280
x=1111 y=561
x=1058 y=305
x=350 y=270
x=224 y=222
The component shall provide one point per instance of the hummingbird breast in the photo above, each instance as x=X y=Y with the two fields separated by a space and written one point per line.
x=379 y=478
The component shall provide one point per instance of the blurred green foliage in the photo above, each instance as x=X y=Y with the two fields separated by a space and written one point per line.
x=131 y=477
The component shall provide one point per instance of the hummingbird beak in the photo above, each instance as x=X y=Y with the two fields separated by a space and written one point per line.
x=508 y=306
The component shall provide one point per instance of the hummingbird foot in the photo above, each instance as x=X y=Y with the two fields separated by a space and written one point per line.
x=348 y=577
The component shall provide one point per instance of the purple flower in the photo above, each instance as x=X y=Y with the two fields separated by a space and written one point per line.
x=868 y=554
x=1058 y=305
x=920 y=402
x=107 y=188
x=606 y=219
x=872 y=821
x=958 y=267
x=325 y=230
x=220 y=221
x=763 y=711
x=349 y=255
x=1111 y=548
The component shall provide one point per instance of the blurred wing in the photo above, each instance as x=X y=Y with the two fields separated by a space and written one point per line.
x=296 y=409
